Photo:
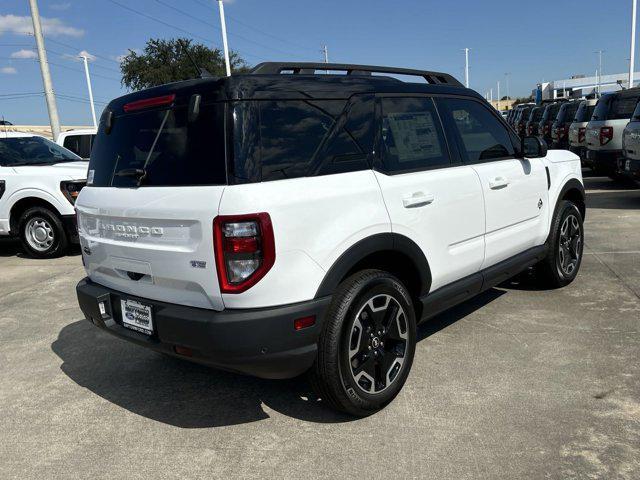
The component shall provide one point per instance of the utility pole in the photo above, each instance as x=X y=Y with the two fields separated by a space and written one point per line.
x=225 y=45
x=86 y=72
x=54 y=120
x=466 y=67
x=491 y=94
x=325 y=53
x=634 y=6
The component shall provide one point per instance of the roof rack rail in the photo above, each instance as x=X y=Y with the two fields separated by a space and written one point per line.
x=310 y=68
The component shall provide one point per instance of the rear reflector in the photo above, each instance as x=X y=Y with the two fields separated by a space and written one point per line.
x=184 y=351
x=149 y=102
x=304 y=322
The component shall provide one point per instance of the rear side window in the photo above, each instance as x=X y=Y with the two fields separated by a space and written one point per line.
x=483 y=136
x=567 y=112
x=79 y=144
x=164 y=145
x=412 y=137
x=275 y=140
x=537 y=114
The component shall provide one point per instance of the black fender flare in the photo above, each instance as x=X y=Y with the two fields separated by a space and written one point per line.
x=571 y=184
x=381 y=242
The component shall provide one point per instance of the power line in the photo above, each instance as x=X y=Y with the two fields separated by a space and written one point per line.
x=57 y=42
x=209 y=24
x=262 y=32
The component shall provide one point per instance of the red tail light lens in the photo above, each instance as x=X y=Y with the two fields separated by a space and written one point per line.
x=149 y=102
x=545 y=129
x=530 y=130
x=244 y=248
x=606 y=135
x=582 y=132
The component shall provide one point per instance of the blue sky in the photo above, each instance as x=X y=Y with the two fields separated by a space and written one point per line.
x=533 y=40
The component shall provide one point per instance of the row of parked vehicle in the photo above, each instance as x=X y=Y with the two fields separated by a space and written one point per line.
x=604 y=132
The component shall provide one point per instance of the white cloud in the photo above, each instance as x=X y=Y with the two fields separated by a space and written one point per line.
x=60 y=6
x=22 y=25
x=77 y=58
x=8 y=70
x=24 y=54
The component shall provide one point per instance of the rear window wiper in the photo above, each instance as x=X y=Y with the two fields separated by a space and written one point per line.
x=131 y=172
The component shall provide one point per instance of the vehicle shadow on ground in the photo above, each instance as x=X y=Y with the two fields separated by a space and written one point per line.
x=11 y=247
x=188 y=395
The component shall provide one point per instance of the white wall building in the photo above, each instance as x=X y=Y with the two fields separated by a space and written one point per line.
x=580 y=85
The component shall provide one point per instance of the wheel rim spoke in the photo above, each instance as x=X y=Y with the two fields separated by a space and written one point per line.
x=378 y=343
x=570 y=243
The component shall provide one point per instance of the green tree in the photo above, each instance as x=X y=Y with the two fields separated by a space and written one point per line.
x=165 y=61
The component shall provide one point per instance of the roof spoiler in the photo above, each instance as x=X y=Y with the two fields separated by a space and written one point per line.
x=310 y=68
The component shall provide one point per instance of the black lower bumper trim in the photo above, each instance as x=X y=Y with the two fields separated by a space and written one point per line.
x=259 y=342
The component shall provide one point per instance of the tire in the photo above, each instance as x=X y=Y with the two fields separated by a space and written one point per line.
x=566 y=244
x=42 y=233
x=352 y=350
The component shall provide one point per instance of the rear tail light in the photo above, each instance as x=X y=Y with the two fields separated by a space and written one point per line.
x=149 y=102
x=606 y=135
x=530 y=130
x=582 y=133
x=244 y=248
x=545 y=129
x=561 y=131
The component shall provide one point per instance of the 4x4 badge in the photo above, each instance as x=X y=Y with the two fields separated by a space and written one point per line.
x=539 y=204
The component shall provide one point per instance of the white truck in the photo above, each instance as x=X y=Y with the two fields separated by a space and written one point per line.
x=39 y=183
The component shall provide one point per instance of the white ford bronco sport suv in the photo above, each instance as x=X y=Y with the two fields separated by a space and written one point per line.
x=288 y=220
x=39 y=183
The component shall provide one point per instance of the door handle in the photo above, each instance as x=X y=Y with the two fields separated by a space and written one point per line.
x=498 y=183
x=418 y=199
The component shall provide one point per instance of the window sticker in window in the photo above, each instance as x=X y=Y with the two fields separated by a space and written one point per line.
x=415 y=136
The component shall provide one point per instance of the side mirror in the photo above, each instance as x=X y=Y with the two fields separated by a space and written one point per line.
x=534 y=147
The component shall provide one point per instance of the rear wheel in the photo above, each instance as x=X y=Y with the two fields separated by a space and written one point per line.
x=367 y=344
x=42 y=233
x=566 y=244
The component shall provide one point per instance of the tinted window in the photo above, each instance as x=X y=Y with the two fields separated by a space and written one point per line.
x=79 y=144
x=16 y=151
x=636 y=113
x=602 y=107
x=412 y=137
x=304 y=138
x=551 y=112
x=483 y=136
x=536 y=114
x=162 y=143
x=622 y=107
x=567 y=112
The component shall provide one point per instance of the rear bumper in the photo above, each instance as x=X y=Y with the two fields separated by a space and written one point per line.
x=258 y=342
x=604 y=159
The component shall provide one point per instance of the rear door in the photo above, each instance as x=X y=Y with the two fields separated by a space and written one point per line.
x=514 y=189
x=431 y=197
x=145 y=218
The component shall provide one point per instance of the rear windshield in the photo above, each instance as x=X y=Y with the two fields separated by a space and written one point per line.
x=584 y=112
x=160 y=148
x=615 y=107
x=536 y=114
x=550 y=112
x=79 y=144
x=567 y=112
x=636 y=114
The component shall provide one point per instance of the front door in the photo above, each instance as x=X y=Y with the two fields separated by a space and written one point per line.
x=515 y=189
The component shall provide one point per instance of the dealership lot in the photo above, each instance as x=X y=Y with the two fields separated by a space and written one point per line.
x=516 y=383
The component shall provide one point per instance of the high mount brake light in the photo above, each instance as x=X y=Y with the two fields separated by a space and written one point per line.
x=149 y=102
x=244 y=248
x=606 y=135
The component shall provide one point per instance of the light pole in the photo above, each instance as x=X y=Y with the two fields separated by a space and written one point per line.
x=223 y=24
x=507 y=74
x=599 y=52
x=93 y=108
x=325 y=53
x=466 y=67
x=498 y=90
x=634 y=6
x=54 y=120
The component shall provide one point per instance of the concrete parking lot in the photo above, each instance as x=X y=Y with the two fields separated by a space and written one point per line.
x=517 y=383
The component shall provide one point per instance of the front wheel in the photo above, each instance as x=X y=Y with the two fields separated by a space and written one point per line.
x=566 y=244
x=42 y=233
x=367 y=344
